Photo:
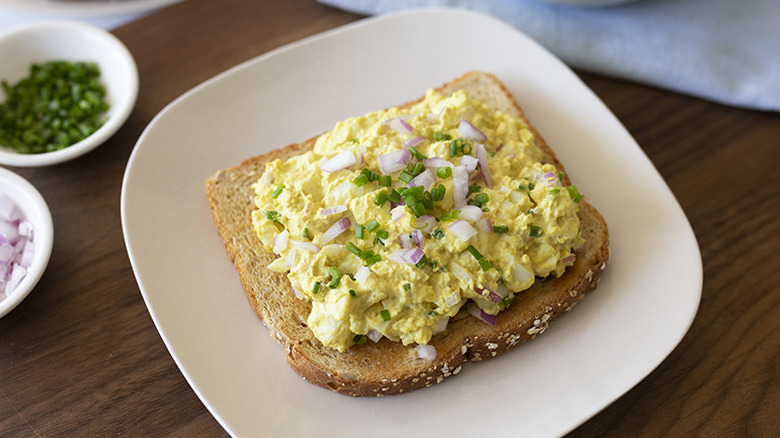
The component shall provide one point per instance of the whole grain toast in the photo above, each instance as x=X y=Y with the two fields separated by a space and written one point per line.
x=388 y=367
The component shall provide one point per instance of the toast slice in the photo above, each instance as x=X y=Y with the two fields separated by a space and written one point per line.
x=387 y=367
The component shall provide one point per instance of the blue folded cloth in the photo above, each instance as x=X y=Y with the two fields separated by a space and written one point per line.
x=726 y=51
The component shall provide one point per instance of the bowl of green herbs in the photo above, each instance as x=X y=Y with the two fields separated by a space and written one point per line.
x=65 y=88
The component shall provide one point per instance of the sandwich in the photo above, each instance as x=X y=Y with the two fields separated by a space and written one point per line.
x=386 y=253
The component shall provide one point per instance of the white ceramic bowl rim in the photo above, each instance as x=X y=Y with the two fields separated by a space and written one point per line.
x=71 y=40
x=34 y=207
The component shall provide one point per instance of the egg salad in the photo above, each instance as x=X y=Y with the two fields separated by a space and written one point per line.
x=398 y=218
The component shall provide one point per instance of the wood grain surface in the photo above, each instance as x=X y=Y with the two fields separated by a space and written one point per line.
x=81 y=356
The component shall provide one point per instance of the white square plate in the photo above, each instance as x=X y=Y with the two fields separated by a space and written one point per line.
x=645 y=303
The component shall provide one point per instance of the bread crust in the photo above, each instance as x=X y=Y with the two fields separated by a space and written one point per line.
x=387 y=367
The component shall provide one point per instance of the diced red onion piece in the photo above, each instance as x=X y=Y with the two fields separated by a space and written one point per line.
x=426 y=352
x=480 y=314
x=425 y=179
x=399 y=125
x=460 y=186
x=484 y=167
x=485 y=225
x=298 y=294
x=397 y=212
x=374 y=335
x=462 y=230
x=418 y=238
x=441 y=325
x=569 y=259
x=470 y=162
x=550 y=179
x=452 y=299
x=414 y=141
x=280 y=242
x=333 y=210
x=436 y=162
x=460 y=272
x=17 y=275
x=362 y=274
x=304 y=245
x=8 y=210
x=492 y=296
x=340 y=161
x=521 y=273
x=393 y=161
x=470 y=132
x=405 y=240
x=339 y=227
x=409 y=256
x=426 y=223
x=471 y=212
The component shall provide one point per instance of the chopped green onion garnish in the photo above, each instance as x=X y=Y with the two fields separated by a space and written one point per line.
x=385 y=314
x=423 y=261
x=316 y=288
x=385 y=180
x=438 y=192
x=555 y=191
x=507 y=301
x=351 y=247
x=415 y=153
x=382 y=234
x=485 y=265
x=477 y=255
x=360 y=180
x=360 y=231
x=500 y=229
x=305 y=233
x=372 y=226
x=272 y=216
x=534 y=231
x=379 y=241
x=277 y=192
x=405 y=176
x=438 y=233
x=441 y=136
x=444 y=172
x=575 y=194
x=381 y=198
x=369 y=174
x=451 y=216
x=474 y=188
x=359 y=339
x=394 y=196
x=408 y=287
x=335 y=277
x=353 y=293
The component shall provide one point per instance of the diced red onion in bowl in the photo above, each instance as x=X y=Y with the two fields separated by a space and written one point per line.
x=470 y=132
x=393 y=161
x=480 y=314
x=426 y=352
x=339 y=227
x=340 y=161
x=484 y=168
x=16 y=246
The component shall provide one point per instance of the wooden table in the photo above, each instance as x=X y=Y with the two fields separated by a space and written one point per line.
x=81 y=357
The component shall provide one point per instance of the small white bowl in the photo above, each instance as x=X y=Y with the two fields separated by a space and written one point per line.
x=43 y=41
x=35 y=210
